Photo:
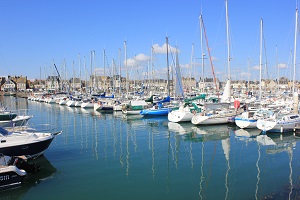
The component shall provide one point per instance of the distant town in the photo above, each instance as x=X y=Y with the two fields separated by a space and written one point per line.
x=119 y=84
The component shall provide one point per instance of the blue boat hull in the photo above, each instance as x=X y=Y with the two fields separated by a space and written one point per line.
x=156 y=112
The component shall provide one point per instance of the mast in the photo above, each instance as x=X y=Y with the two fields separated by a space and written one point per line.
x=113 y=75
x=125 y=47
x=94 y=72
x=91 y=84
x=148 y=77
x=277 y=68
x=79 y=59
x=228 y=41
x=192 y=67
x=228 y=50
x=295 y=93
x=152 y=70
x=73 y=77
x=260 y=57
x=85 y=74
x=295 y=49
x=119 y=71
x=167 y=44
x=104 y=70
x=202 y=52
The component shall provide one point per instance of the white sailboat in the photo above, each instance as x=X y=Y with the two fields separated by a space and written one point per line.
x=248 y=119
x=215 y=116
x=284 y=121
x=187 y=109
x=221 y=115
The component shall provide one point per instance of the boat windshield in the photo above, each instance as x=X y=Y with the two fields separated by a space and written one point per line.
x=3 y=131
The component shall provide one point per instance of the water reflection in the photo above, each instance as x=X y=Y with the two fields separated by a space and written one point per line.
x=278 y=144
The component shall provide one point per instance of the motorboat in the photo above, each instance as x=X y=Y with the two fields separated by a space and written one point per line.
x=185 y=113
x=25 y=141
x=10 y=118
x=104 y=106
x=279 y=123
x=6 y=115
x=45 y=172
x=135 y=107
x=19 y=120
x=249 y=118
x=87 y=103
x=13 y=170
x=157 y=110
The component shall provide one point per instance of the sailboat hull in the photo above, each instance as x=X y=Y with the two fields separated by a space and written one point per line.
x=208 y=120
x=245 y=123
x=180 y=116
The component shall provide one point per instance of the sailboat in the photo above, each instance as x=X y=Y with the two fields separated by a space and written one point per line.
x=189 y=107
x=284 y=121
x=221 y=115
x=159 y=109
x=248 y=119
x=186 y=110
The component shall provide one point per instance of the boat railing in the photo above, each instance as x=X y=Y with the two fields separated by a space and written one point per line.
x=41 y=128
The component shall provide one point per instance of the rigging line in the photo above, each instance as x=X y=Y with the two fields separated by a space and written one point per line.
x=210 y=59
x=221 y=19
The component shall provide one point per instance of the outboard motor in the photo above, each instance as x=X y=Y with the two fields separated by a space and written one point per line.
x=23 y=164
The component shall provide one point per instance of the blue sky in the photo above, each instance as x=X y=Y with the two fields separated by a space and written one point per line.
x=35 y=33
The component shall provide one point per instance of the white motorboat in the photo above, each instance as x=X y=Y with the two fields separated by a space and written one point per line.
x=28 y=142
x=87 y=103
x=249 y=118
x=19 y=120
x=279 y=123
x=135 y=107
x=13 y=170
x=70 y=103
x=185 y=113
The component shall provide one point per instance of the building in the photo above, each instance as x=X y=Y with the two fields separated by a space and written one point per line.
x=52 y=83
x=9 y=86
x=21 y=82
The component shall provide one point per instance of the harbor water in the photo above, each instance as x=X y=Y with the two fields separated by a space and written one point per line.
x=112 y=156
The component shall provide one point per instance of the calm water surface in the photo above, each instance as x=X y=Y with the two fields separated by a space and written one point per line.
x=111 y=156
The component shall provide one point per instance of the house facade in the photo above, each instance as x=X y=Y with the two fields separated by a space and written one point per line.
x=9 y=86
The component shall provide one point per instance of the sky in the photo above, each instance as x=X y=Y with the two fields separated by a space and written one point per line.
x=35 y=35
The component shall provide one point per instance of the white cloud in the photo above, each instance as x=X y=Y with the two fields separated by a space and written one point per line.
x=214 y=58
x=137 y=60
x=163 y=49
x=245 y=74
x=185 y=66
x=282 y=66
x=131 y=62
x=141 y=57
x=256 y=67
